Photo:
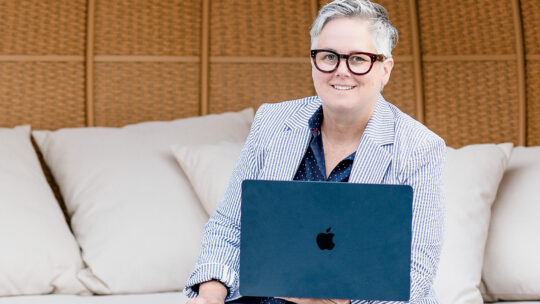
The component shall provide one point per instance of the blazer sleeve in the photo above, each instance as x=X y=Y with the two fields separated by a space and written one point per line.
x=220 y=245
x=424 y=172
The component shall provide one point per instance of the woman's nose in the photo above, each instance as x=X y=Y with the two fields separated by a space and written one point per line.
x=342 y=68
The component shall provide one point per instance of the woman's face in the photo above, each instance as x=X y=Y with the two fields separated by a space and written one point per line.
x=342 y=91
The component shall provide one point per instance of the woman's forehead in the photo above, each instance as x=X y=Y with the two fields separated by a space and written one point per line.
x=346 y=35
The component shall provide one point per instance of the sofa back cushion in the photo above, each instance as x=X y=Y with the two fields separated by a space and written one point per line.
x=471 y=177
x=512 y=261
x=209 y=168
x=38 y=253
x=132 y=209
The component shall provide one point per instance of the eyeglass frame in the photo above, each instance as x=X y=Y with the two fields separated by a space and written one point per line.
x=373 y=57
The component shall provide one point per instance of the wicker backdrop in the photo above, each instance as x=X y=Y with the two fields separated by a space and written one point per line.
x=468 y=69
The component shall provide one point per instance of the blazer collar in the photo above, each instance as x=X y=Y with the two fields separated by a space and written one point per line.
x=300 y=119
x=373 y=155
x=380 y=127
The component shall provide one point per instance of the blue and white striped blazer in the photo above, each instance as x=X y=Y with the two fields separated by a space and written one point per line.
x=394 y=149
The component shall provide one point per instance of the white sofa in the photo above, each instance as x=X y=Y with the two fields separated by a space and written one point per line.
x=137 y=199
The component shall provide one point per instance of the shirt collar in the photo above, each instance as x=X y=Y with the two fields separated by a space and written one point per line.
x=315 y=121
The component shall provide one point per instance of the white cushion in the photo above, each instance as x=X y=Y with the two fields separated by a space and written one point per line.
x=512 y=260
x=160 y=298
x=38 y=253
x=209 y=168
x=471 y=177
x=132 y=209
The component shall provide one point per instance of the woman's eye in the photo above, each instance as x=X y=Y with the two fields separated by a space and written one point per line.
x=330 y=57
x=357 y=59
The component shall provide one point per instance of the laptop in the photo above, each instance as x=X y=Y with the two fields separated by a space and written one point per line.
x=325 y=240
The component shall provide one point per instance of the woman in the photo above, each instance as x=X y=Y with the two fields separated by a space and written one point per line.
x=346 y=133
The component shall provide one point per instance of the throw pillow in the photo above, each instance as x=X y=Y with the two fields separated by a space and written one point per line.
x=38 y=253
x=208 y=167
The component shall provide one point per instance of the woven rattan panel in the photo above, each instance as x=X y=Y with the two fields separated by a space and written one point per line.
x=277 y=28
x=132 y=92
x=473 y=102
x=30 y=27
x=148 y=27
x=46 y=95
x=399 y=90
x=237 y=86
x=466 y=27
x=533 y=105
x=530 y=12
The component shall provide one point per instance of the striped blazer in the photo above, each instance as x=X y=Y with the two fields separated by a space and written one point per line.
x=394 y=149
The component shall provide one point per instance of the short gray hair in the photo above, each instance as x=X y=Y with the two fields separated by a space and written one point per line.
x=385 y=35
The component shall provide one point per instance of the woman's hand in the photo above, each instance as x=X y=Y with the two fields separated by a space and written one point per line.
x=211 y=292
x=315 y=301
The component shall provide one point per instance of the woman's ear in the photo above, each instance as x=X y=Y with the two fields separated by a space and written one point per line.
x=388 y=65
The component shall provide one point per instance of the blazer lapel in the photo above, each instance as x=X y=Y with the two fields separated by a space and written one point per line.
x=289 y=145
x=373 y=155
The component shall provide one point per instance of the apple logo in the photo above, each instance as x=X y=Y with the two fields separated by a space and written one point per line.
x=324 y=240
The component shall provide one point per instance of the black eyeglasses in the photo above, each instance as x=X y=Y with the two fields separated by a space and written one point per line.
x=359 y=63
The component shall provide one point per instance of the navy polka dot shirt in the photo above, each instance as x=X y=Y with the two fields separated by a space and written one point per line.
x=312 y=167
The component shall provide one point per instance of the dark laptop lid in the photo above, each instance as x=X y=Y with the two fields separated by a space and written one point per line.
x=325 y=240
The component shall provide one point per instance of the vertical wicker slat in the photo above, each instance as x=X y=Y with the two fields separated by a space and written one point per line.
x=533 y=106
x=530 y=11
x=89 y=61
x=520 y=62
x=417 y=62
x=205 y=57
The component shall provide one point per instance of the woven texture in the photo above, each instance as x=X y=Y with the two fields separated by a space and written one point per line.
x=530 y=13
x=148 y=27
x=30 y=27
x=260 y=28
x=236 y=86
x=466 y=27
x=473 y=102
x=533 y=110
x=46 y=95
x=127 y=93
x=400 y=88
